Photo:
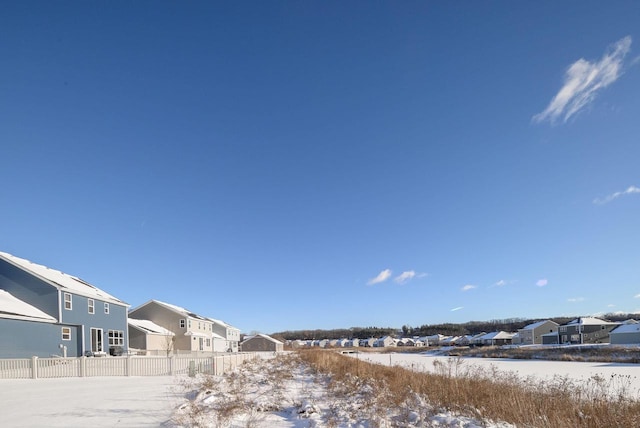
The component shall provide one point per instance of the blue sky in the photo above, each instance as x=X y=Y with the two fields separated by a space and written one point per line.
x=296 y=165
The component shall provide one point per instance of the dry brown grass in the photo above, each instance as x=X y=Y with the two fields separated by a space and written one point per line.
x=497 y=396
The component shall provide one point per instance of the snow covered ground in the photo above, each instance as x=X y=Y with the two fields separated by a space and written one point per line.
x=89 y=402
x=265 y=394
x=623 y=375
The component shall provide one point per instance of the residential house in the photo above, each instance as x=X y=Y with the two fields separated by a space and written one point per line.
x=627 y=333
x=86 y=319
x=367 y=343
x=585 y=330
x=532 y=333
x=496 y=338
x=384 y=342
x=149 y=338
x=229 y=333
x=261 y=343
x=193 y=332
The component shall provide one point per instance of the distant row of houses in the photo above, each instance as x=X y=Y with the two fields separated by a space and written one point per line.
x=45 y=312
x=583 y=330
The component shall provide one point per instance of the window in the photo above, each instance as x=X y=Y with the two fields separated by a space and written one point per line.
x=106 y=308
x=92 y=308
x=189 y=323
x=116 y=338
x=66 y=333
x=182 y=323
x=67 y=301
x=208 y=343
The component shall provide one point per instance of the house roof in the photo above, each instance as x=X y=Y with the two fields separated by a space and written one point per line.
x=496 y=335
x=61 y=280
x=590 y=321
x=222 y=323
x=536 y=325
x=264 y=336
x=174 y=308
x=149 y=327
x=14 y=308
x=626 y=328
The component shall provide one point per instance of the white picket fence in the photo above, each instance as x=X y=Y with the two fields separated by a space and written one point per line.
x=35 y=368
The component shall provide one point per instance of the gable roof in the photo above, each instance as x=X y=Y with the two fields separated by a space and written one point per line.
x=264 y=336
x=175 y=308
x=222 y=323
x=14 y=308
x=61 y=280
x=150 y=327
x=590 y=321
x=626 y=328
x=537 y=324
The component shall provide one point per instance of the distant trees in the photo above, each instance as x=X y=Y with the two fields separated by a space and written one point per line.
x=447 y=329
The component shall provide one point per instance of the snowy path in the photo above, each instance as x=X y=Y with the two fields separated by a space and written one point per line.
x=89 y=402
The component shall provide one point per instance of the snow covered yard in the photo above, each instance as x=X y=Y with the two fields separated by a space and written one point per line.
x=89 y=402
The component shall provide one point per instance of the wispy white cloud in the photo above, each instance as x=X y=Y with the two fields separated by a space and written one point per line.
x=382 y=277
x=576 y=299
x=637 y=296
x=629 y=191
x=542 y=282
x=457 y=309
x=405 y=277
x=583 y=80
x=469 y=287
x=611 y=305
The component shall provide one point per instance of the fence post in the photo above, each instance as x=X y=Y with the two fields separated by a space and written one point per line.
x=83 y=366
x=34 y=367
x=127 y=366
x=172 y=370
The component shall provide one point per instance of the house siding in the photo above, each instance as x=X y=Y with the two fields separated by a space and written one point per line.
x=28 y=288
x=36 y=339
x=79 y=314
x=260 y=344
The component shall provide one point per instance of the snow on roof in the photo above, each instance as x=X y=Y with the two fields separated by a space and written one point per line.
x=589 y=321
x=626 y=328
x=264 y=336
x=496 y=335
x=175 y=308
x=535 y=325
x=149 y=327
x=14 y=308
x=61 y=279
x=222 y=323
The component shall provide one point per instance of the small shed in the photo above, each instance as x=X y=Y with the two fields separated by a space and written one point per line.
x=262 y=343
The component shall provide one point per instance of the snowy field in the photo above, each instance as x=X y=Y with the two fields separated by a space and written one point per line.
x=579 y=371
x=299 y=399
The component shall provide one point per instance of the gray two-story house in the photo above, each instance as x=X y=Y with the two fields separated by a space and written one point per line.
x=80 y=318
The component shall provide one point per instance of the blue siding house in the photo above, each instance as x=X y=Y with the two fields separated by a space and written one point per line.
x=73 y=317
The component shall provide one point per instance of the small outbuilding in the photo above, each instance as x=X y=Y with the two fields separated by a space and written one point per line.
x=261 y=343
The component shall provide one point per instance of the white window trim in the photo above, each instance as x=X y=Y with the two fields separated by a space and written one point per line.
x=183 y=323
x=91 y=306
x=115 y=337
x=66 y=331
x=106 y=308
x=68 y=299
